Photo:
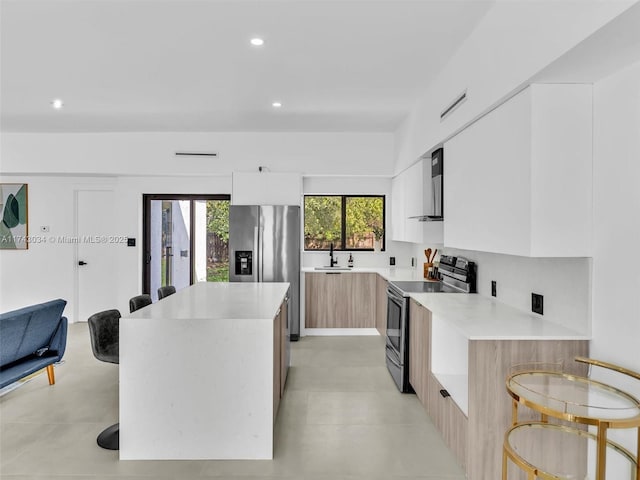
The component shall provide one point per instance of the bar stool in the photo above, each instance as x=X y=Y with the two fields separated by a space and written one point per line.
x=166 y=291
x=139 y=301
x=104 y=330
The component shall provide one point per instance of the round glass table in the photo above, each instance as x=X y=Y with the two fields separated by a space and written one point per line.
x=576 y=399
x=532 y=446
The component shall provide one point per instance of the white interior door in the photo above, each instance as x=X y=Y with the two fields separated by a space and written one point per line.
x=96 y=256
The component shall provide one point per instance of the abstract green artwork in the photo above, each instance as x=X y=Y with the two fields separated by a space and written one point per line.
x=13 y=209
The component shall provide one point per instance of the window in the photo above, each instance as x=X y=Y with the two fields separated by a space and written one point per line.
x=185 y=240
x=349 y=222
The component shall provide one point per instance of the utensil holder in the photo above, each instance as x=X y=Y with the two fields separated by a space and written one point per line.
x=427 y=267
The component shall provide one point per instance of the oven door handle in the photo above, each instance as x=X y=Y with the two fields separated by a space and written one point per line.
x=392 y=355
x=393 y=295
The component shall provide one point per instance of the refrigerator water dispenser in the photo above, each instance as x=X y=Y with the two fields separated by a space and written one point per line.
x=244 y=262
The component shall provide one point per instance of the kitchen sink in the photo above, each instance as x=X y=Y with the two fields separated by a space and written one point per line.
x=331 y=269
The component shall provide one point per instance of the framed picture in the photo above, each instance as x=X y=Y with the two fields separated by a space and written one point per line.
x=14 y=225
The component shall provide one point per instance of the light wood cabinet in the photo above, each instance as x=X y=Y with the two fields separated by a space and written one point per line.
x=490 y=361
x=518 y=181
x=419 y=349
x=280 y=363
x=476 y=438
x=381 y=305
x=277 y=354
x=340 y=300
x=284 y=364
x=447 y=417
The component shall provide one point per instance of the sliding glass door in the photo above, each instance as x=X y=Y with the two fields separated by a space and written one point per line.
x=185 y=240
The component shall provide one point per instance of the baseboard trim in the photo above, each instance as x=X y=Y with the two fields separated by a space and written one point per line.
x=333 y=332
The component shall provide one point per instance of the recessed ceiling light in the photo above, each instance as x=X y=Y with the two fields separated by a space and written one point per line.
x=57 y=103
x=276 y=104
x=257 y=42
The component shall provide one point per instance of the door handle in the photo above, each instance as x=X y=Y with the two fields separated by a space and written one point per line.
x=82 y=263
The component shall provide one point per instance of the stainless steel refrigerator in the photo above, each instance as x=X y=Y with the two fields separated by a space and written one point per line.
x=264 y=246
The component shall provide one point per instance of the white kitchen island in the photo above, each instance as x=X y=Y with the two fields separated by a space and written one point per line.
x=198 y=373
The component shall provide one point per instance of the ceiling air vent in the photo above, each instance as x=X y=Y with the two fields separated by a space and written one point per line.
x=197 y=154
x=453 y=105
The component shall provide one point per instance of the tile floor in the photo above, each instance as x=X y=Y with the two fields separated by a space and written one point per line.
x=341 y=419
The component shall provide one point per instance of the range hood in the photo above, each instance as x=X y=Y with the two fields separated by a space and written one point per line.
x=437 y=193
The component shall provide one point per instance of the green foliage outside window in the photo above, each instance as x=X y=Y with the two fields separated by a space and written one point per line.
x=218 y=218
x=218 y=240
x=327 y=219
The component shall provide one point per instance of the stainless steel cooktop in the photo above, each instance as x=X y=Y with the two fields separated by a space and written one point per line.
x=424 y=287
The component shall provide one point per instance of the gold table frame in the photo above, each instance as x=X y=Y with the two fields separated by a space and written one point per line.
x=536 y=472
x=601 y=424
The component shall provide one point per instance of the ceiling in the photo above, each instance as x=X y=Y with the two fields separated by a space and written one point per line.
x=609 y=49
x=183 y=65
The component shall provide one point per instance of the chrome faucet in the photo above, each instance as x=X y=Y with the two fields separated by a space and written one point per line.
x=332 y=260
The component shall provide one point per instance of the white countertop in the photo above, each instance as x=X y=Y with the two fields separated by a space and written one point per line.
x=474 y=316
x=218 y=300
x=481 y=318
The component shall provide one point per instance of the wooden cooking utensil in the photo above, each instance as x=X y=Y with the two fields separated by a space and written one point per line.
x=434 y=255
x=427 y=252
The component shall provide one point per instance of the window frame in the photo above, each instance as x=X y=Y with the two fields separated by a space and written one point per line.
x=343 y=220
x=146 y=228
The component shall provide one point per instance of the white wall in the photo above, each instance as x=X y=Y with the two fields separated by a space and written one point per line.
x=564 y=282
x=154 y=153
x=47 y=269
x=144 y=163
x=616 y=266
x=512 y=43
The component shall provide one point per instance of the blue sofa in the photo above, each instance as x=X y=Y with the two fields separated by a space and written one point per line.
x=32 y=338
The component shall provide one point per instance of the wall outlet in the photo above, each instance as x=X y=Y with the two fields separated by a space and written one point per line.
x=493 y=288
x=537 y=303
x=392 y=260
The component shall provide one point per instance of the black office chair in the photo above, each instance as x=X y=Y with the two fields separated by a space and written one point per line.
x=104 y=331
x=139 y=301
x=166 y=291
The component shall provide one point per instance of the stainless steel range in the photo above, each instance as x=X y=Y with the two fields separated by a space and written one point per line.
x=458 y=275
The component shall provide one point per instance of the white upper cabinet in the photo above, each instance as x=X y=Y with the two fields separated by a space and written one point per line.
x=432 y=232
x=519 y=180
x=406 y=202
x=413 y=203
x=410 y=199
x=267 y=188
x=397 y=209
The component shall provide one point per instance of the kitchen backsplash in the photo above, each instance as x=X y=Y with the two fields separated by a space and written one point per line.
x=402 y=252
x=564 y=282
